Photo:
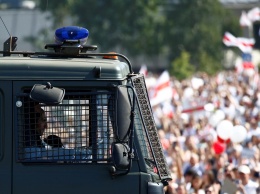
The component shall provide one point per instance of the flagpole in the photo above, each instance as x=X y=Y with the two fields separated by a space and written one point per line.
x=250 y=31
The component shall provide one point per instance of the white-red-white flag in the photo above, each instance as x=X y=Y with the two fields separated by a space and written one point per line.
x=244 y=44
x=244 y=20
x=143 y=70
x=229 y=39
x=168 y=109
x=162 y=90
x=254 y=14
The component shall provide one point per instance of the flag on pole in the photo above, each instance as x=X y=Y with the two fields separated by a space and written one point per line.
x=143 y=70
x=168 y=109
x=162 y=90
x=244 y=44
x=244 y=20
x=229 y=39
x=254 y=14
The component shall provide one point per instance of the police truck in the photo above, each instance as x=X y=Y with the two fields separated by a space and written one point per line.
x=73 y=120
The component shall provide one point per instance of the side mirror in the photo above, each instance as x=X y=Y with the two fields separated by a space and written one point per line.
x=123 y=117
x=120 y=157
x=47 y=94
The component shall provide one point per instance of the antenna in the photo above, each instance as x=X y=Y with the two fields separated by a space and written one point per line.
x=5 y=26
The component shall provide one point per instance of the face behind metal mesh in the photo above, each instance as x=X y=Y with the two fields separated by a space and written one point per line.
x=78 y=130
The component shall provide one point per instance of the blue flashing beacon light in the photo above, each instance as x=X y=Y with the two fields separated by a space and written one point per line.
x=71 y=33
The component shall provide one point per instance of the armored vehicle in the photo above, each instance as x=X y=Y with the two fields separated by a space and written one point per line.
x=76 y=121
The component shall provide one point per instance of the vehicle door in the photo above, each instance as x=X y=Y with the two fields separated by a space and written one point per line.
x=6 y=137
x=81 y=164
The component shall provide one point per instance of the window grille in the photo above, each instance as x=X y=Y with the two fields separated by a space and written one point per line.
x=77 y=130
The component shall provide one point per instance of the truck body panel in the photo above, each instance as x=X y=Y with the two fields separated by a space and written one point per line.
x=76 y=122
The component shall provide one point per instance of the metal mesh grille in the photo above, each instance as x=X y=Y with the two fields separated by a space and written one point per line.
x=150 y=143
x=78 y=130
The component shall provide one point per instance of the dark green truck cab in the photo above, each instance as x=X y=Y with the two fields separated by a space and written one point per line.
x=99 y=135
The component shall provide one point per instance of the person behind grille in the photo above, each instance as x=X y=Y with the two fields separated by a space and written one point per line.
x=54 y=141
x=38 y=124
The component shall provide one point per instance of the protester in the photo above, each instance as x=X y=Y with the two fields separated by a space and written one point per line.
x=190 y=121
x=246 y=185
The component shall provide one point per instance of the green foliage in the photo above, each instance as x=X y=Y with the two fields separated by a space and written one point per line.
x=129 y=25
x=181 y=68
x=198 y=27
x=60 y=10
x=208 y=63
x=152 y=27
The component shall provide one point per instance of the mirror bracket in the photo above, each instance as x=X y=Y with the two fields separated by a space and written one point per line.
x=121 y=158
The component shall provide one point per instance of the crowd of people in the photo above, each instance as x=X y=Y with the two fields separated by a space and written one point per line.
x=200 y=161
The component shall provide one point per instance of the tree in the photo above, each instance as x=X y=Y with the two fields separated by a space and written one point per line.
x=181 y=67
x=60 y=10
x=130 y=25
x=198 y=27
x=152 y=28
